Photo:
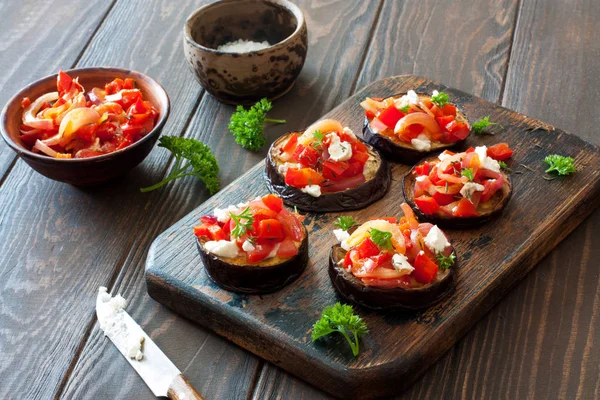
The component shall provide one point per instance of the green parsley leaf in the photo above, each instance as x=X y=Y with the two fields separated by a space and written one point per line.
x=480 y=125
x=248 y=125
x=405 y=108
x=440 y=99
x=345 y=223
x=201 y=162
x=318 y=135
x=243 y=222
x=504 y=167
x=468 y=172
x=445 y=262
x=562 y=165
x=382 y=239
x=340 y=318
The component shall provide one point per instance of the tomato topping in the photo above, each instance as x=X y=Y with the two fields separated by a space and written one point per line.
x=270 y=229
x=457 y=131
x=87 y=132
x=444 y=121
x=302 y=177
x=369 y=114
x=367 y=249
x=290 y=144
x=427 y=205
x=129 y=83
x=465 y=209
x=334 y=170
x=425 y=269
x=449 y=109
x=422 y=169
x=273 y=202
x=291 y=225
x=443 y=199
x=390 y=116
x=260 y=252
x=500 y=152
x=287 y=248
x=348 y=259
x=63 y=83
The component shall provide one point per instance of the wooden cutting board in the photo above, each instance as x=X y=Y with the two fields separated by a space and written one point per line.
x=400 y=345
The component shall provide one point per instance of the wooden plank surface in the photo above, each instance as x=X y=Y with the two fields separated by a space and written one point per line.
x=36 y=42
x=399 y=346
x=324 y=79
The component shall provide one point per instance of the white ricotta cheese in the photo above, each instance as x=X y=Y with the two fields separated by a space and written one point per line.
x=134 y=347
x=222 y=248
x=285 y=166
x=413 y=98
x=338 y=150
x=349 y=132
x=469 y=188
x=436 y=240
x=401 y=264
x=341 y=235
x=313 y=190
x=222 y=214
x=487 y=162
x=247 y=246
x=421 y=143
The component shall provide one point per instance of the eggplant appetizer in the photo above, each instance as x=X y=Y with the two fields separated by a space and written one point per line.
x=386 y=263
x=460 y=190
x=405 y=128
x=326 y=168
x=254 y=247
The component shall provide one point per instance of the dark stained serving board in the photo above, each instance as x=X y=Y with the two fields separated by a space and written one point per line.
x=400 y=345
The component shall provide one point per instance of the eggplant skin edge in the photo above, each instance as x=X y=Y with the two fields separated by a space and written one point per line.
x=353 y=290
x=254 y=279
x=351 y=199
x=502 y=197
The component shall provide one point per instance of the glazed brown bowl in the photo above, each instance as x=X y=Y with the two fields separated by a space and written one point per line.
x=85 y=171
x=246 y=77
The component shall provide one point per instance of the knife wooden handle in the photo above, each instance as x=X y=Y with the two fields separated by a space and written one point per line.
x=181 y=389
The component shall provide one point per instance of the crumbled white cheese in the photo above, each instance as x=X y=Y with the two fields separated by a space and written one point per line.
x=134 y=347
x=401 y=264
x=444 y=155
x=413 y=98
x=247 y=246
x=436 y=240
x=338 y=150
x=341 y=235
x=409 y=98
x=241 y=206
x=487 y=162
x=349 y=132
x=421 y=143
x=285 y=166
x=313 y=190
x=421 y=178
x=222 y=248
x=434 y=93
x=222 y=214
x=469 y=188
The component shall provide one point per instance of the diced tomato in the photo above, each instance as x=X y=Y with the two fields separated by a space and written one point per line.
x=425 y=269
x=422 y=186
x=216 y=233
x=260 y=252
x=274 y=202
x=444 y=121
x=465 y=209
x=427 y=205
x=291 y=225
x=390 y=116
x=307 y=156
x=500 y=152
x=106 y=131
x=270 y=229
x=357 y=145
x=333 y=170
x=138 y=107
x=86 y=153
x=209 y=219
x=201 y=230
x=354 y=168
x=114 y=87
x=443 y=199
x=360 y=156
x=63 y=82
x=302 y=177
x=382 y=259
x=470 y=150
x=457 y=131
x=415 y=129
x=290 y=144
x=422 y=169
x=367 y=249
x=25 y=102
x=128 y=83
x=449 y=109
x=369 y=114
x=287 y=248
x=132 y=132
x=348 y=259
x=87 y=132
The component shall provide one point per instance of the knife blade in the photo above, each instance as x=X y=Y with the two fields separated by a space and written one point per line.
x=154 y=367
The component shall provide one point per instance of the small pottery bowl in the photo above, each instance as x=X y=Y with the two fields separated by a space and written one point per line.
x=245 y=77
x=85 y=171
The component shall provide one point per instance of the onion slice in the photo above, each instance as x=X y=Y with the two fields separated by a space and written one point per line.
x=325 y=126
x=418 y=118
x=30 y=112
x=75 y=119
x=40 y=146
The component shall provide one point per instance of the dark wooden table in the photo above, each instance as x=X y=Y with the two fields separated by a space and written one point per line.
x=59 y=243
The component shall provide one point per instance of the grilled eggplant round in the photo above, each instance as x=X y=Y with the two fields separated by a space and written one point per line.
x=488 y=210
x=267 y=276
x=354 y=290
x=376 y=186
x=404 y=153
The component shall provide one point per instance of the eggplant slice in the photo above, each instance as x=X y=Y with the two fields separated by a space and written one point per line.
x=404 y=153
x=265 y=277
x=491 y=209
x=354 y=290
x=350 y=199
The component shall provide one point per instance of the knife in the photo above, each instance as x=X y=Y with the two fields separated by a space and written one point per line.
x=160 y=374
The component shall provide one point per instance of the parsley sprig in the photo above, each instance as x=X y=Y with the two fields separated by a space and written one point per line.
x=562 y=165
x=248 y=125
x=468 y=172
x=480 y=125
x=382 y=239
x=319 y=136
x=345 y=223
x=445 y=262
x=201 y=162
x=243 y=222
x=505 y=167
x=440 y=99
x=340 y=318
x=405 y=108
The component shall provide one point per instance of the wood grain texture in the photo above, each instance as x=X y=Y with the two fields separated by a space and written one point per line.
x=277 y=326
x=215 y=367
x=36 y=41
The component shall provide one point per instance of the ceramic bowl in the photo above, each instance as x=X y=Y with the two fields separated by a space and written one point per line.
x=85 y=171
x=244 y=78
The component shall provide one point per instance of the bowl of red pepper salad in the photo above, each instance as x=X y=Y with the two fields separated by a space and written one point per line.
x=86 y=126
